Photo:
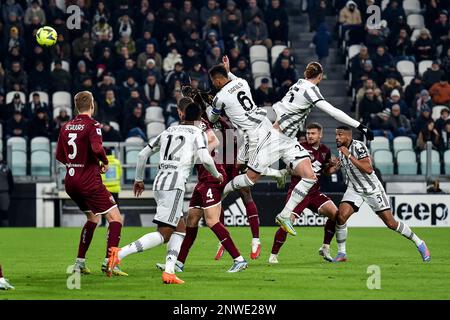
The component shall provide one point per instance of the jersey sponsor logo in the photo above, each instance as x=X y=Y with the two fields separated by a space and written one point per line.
x=75 y=127
x=434 y=212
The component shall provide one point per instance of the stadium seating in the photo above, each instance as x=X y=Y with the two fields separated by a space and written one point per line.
x=133 y=147
x=275 y=52
x=424 y=65
x=406 y=162
x=10 y=96
x=115 y=125
x=436 y=112
x=435 y=162
x=258 y=53
x=154 y=129
x=406 y=68
x=384 y=4
x=257 y=81
x=61 y=98
x=43 y=95
x=447 y=162
x=18 y=156
x=261 y=68
x=379 y=143
x=407 y=81
x=402 y=143
x=64 y=65
x=411 y=6
x=40 y=156
x=414 y=35
x=154 y=114
x=384 y=161
x=415 y=21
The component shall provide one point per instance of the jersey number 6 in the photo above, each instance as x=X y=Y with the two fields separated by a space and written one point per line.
x=242 y=98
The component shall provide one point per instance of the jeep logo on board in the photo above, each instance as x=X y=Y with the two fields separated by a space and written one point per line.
x=421 y=211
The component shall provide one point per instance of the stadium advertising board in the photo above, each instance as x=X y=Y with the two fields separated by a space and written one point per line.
x=416 y=210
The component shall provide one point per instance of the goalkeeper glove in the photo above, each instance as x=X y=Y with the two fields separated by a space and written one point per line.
x=366 y=132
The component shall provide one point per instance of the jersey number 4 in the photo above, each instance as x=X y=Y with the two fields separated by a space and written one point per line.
x=172 y=155
x=71 y=143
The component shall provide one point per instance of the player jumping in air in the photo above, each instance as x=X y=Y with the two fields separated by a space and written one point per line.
x=315 y=201
x=363 y=185
x=80 y=150
x=206 y=202
x=232 y=170
x=178 y=146
x=268 y=144
x=4 y=283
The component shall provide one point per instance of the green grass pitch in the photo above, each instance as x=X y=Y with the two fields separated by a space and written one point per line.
x=35 y=260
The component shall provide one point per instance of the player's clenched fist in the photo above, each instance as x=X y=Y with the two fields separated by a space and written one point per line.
x=104 y=168
x=138 y=188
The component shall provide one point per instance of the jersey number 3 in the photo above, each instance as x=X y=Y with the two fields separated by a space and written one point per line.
x=71 y=143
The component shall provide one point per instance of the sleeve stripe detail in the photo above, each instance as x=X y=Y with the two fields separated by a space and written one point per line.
x=316 y=91
x=151 y=147
x=216 y=111
x=317 y=101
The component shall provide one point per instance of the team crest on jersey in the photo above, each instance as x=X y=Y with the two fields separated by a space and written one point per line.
x=111 y=198
x=324 y=154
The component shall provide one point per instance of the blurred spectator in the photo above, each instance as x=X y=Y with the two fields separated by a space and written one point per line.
x=171 y=111
x=125 y=26
x=101 y=12
x=61 y=80
x=80 y=45
x=147 y=38
x=445 y=137
x=252 y=10
x=61 y=50
x=129 y=70
x=361 y=75
x=284 y=77
x=40 y=125
x=169 y=61
x=399 y=124
x=231 y=29
x=441 y=27
x=16 y=105
x=16 y=79
x=9 y=7
x=110 y=108
x=381 y=60
x=276 y=15
x=395 y=99
x=373 y=39
x=400 y=46
x=446 y=61
x=440 y=123
x=243 y=71
x=322 y=40
x=214 y=58
x=201 y=75
x=424 y=100
x=153 y=91
x=369 y=105
x=126 y=41
x=81 y=74
x=432 y=75
x=109 y=134
x=149 y=53
x=34 y=10
x=286 y=53
x=412 y=93
x=232 y=10
x=380 y=126
x=369 y=84
x=392 y=12
x=316 y=13
x=190 y=59
x=424 y=48
x=428 y=133
x=349 y=16
x=423 y=119
x=36 y=104
x=257 y=32
x=134 y=125
x=434 y=187
x=189 y=12
x=211 y=8
x=151 y=69
x=195 y=42
x=134 y=100
x=390 y=85
x=17 y=126
x=264 y=95
x=102 y=30
x=440 y=91
x=212 y=40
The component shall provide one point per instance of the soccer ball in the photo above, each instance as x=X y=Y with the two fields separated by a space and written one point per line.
x=46 y=36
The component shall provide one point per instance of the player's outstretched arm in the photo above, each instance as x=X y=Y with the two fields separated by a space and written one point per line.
x=341 y=116
x=208 y=163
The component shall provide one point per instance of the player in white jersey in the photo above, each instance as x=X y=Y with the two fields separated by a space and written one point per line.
x=363 y=185
x=280 y=142
x=179 y=147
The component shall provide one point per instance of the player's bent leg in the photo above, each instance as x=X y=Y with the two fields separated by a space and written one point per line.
x=253 y=220
x=247 y=179
x=346 y=209
x=212 y=215
x=304 y=170
x=278 y=175
x=194 y=216
x=86 y=236
x=405 y=231
x=329 y=210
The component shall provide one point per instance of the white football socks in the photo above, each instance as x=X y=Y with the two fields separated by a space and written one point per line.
x=240 y=181
x=298 y=194
x=147 y=241
x=341 y=237
x=405 y=231
x=173 y=249
x=274 y=173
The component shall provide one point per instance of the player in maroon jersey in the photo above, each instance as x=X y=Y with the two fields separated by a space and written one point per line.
x=206 y=202
x=322 y=163
x=80 y=150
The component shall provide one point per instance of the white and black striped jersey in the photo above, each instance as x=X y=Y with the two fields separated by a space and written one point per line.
x=295 y=106
x=177 y=155
x=356 y=179
x=235 y=98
